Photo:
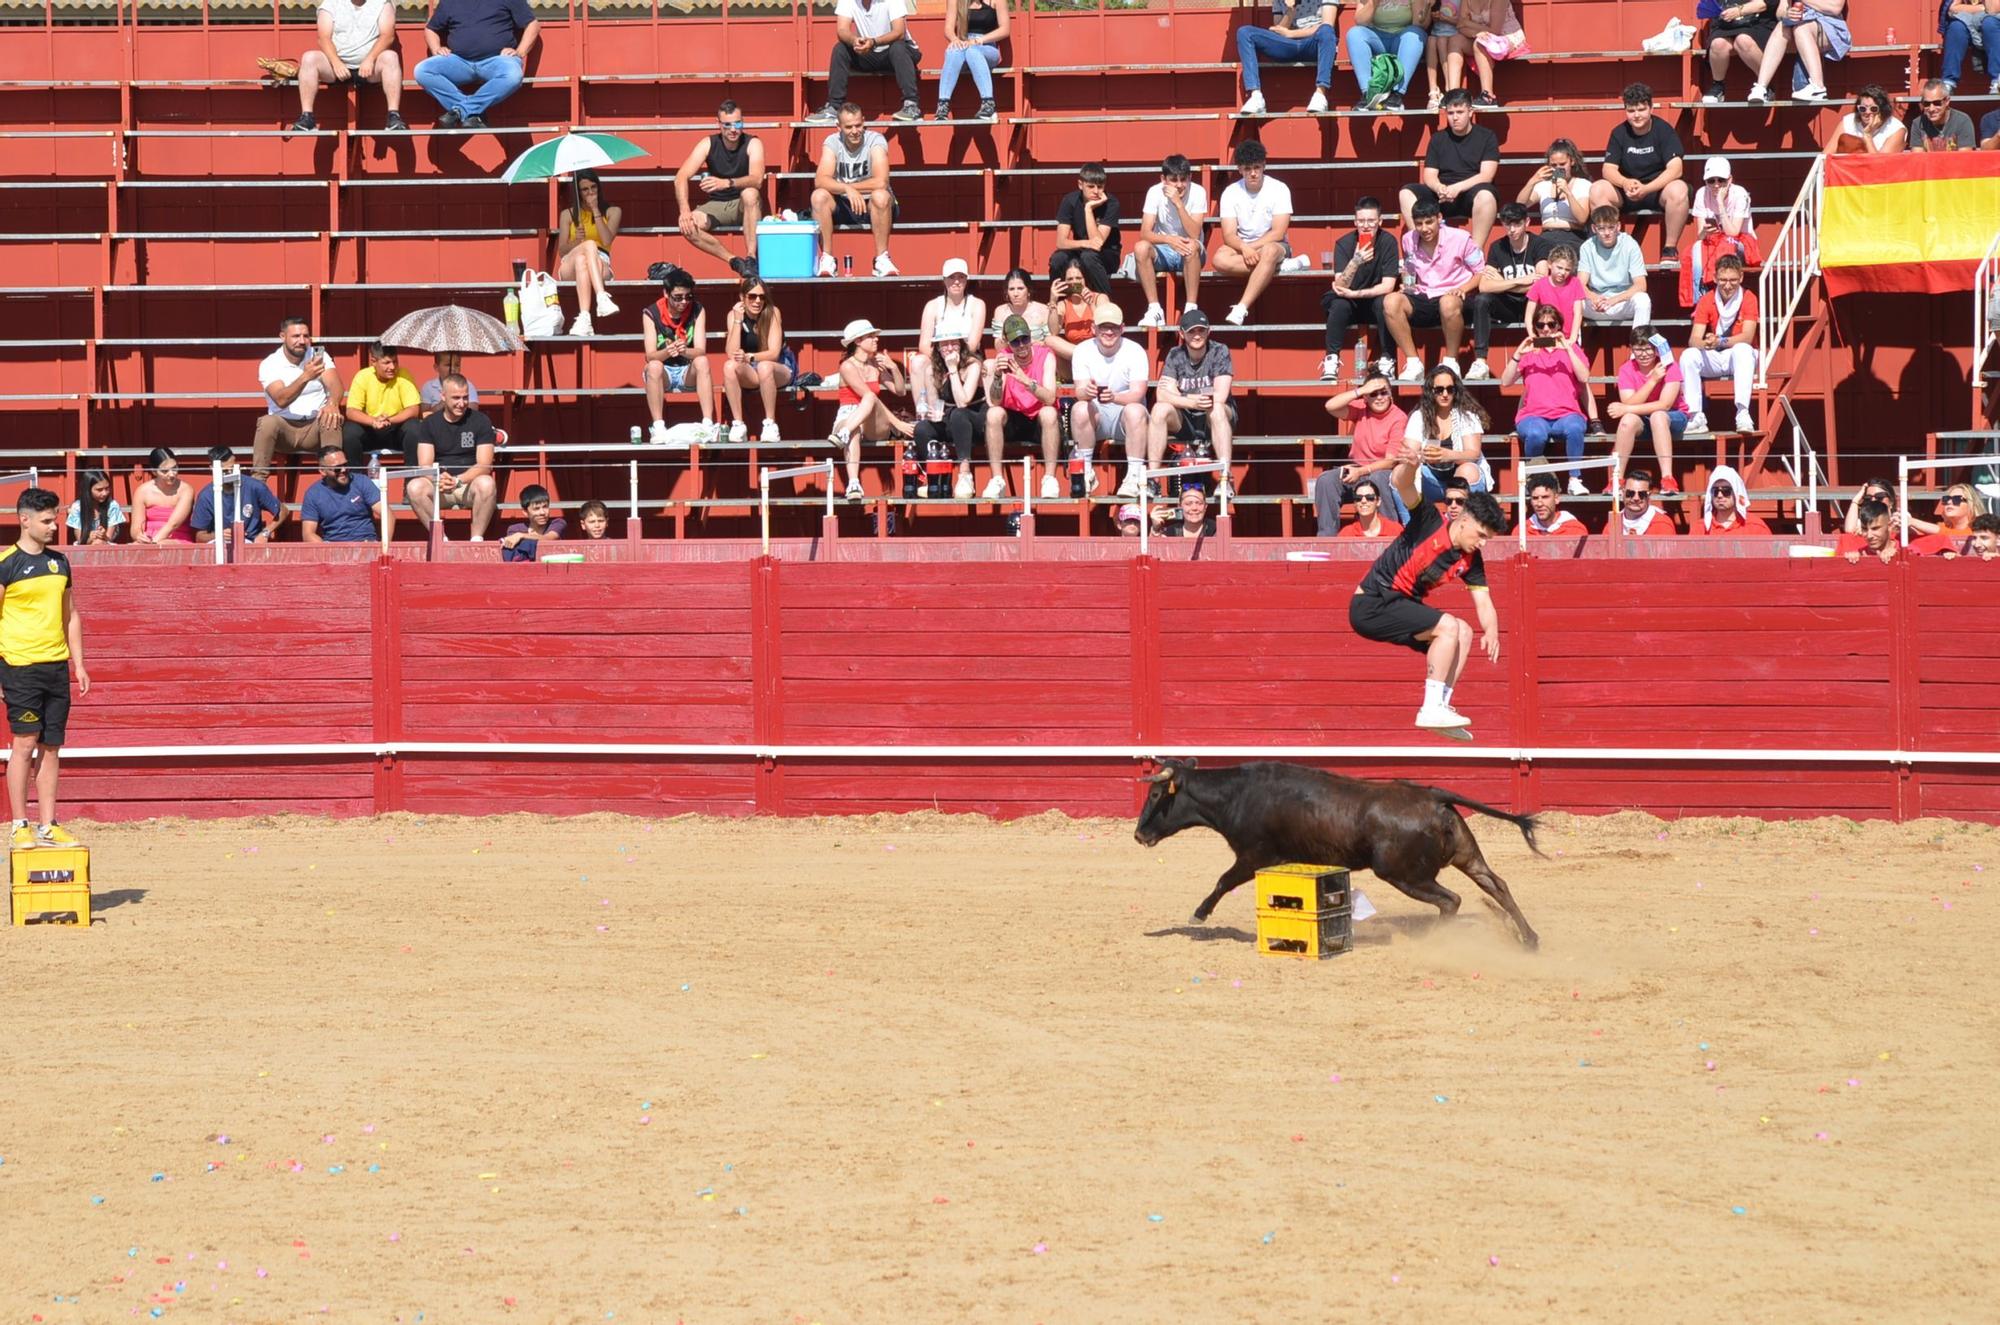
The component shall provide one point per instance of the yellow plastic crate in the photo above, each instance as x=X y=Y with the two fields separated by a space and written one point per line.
x=50 y=881
x=51 y=865
x=1306 y=890
x=1309 y=938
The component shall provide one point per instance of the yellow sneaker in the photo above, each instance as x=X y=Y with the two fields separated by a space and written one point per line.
x=24 y=838
x=54 y=835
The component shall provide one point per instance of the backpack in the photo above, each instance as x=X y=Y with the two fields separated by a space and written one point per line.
x=1383 y=75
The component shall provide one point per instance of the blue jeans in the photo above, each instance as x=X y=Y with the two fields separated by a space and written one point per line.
x=1958 y=42
x=1431 y=486
x=1319 y=46
x=1364 y=44
x=979 y=61
x=1535 y=435
x=497 y=77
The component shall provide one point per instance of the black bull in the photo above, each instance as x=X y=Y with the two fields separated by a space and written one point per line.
x=1271 y=813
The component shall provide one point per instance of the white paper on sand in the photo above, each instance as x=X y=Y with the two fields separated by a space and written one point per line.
x=1363 y=908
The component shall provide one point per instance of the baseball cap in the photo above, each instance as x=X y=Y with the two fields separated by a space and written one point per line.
x=856 y=329
x=1104 y=311
x=1193 y=317
x=1014 y=328
x=1129 y=511
x=1717 y=168
x=956 y=267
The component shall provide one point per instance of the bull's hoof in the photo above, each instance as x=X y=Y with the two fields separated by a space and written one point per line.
x=1531 y=941
x=1200 y=917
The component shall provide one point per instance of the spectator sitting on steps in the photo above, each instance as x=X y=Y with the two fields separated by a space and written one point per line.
x=1256 y=216
x=1379 y=426
x=95 y=516
x=256 y=505
x=1193 y=519
x=303 y=412
x=1724 y=345
x=721 y=184
x=343 y=507
x=357 y=44
x=162 y=504
x=874 y=37
x=1637 y=516
x=1459 y=168
x=523 y=541
x=674 y=335
x=1301 y=32
x=459 y=440
x=382 y=409
x=851 y=188
x=1366 y=269
x=1170 y=237
x=1726 y=511
x=483 y=44
x=1877 y=537
x=584 y=233
x=1087 y=238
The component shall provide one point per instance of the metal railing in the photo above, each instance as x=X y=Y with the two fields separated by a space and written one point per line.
x=1984 y=286
x=1791 y=266
x=1804 y=465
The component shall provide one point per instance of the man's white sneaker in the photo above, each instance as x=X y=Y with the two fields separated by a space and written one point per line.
x=582 y=326
x=1318 y=105
x=1744 y=423
x=884 y=267
x=1051 y=488
x=1130 y=487
x=1697 y=422
x=1154 y=316
x=827 y=266
x=1254 y=104
x=996 y=488
x=739 y=431
x=605 y=308
x=658 y=435
x=1577 y=488
x=1329 y=368
x=1089 y=479
x=769 y=432
x=1296 y=262
x=1440 y=717
x=1758 y=94
x=1479 y=371
x=708 y=434
x=1810 y=92
x=1237 y=315
x=1413 y=370
x=963 y=488
x=1449 y=362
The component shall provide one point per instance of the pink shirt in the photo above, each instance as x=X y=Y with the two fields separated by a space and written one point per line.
x=1564 y=297
x=1375 y=435
x=1548 y=385
x=1631 y=378
x=1455 y=261
x=1019 y=398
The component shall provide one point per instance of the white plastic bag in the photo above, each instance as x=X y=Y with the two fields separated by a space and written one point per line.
x=541 y=305
x=1671 y=40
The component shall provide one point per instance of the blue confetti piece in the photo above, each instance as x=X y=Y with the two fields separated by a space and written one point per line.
x=706 y=1191
x=1270 y=1237
x=742 y=1209
x=374 y=1168
x=131 y=1251
x=1442 y=1099
x=1583 y=1062
x=1155 y=1219
x=646 y=1104
x=336 y=1168
x=685 y=988
x=97 y=1200
x=1738 y=1210
x=159 y=1177
x=157 y=1312
x=1703 y=1046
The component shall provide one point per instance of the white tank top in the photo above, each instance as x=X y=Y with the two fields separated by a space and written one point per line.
x=954 y=321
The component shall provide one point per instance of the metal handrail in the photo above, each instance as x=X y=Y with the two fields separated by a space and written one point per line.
x=1983 y=287
x=1791 y=265
x=1804 y=467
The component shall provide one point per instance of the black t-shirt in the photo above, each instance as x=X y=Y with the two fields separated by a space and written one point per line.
x=1387 y=264
x=457 y=443
x=480 y=29
x=1643 y=156
x=1071 y=215
x=1513 y=266
x=1456 y=158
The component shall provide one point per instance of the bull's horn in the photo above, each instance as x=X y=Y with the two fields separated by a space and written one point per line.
x=1163 y=775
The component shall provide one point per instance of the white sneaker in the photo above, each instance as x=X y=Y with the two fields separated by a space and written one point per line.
x=605 y=308
x=884 y=267
x=1438 y=717
x=1130 y=487
x=827 y=266
x=1237 y=315
x=1051 y=488
x=582 y=326
x=769 y=433
x=1329 y=368
x=1128 y=270
x=1479 y=371
x=1451 y=362
x=1810 y=92
x=1154 y=316
x=1318 y=105
x=658 y=435
x=739 y=431
x=963 y=488
x=1758 y=94
x=1296 y=262
x=1577 y=488
x=1254 y=104
x=996 y=489
x=709 y=434
x=1089 y=479
x=854 y=492
x=478 y=538
x=1697 y=422
x=1744 y=423
x=1413 y=370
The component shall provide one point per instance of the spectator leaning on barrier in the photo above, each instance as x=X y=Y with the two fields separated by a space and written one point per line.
x=41 y=649
x=304 y=408
x=1192 y=404
x=1021 y=406
x=1301 y=32
x=1966 y=25
x=1110 y=372
x=1366 y=269
x=459 y=440
x=481 y=44
x=594 y=519
x=1818 y=29
x=1556 y=396
x=851 y=188
x=162 y=504
x=1369 y=520
x=755 y=355
x=523 y=540
x=255 y=504
x=1170 y=237
x=1871 y=128
x=1514 y=263
x=1614 y=273
x=1459 y=167
x=1441 y=268
x=1936 y=127
x=1637 y=516
x=1876 y=536
x=1192 y=519
x=974 y=31
x=1087 y=238
x=1379 y=427
x=1985 y=543
x=1726 y=510
x=872 y=36
x=95 y=516
x=1722 y=346
x=721 y=185
x=343 y=507
x=382 y=409
x=1256 y=216
x=673 y=334
x=1642 y=171
x=357 y=44
x=957 y=314
x=1545 y=517
x=431 y=394
x=1649 y=398
x=1742 y=28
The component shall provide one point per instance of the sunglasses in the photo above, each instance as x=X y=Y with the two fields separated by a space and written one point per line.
x=756 y=297
x=679 y=297
x=333 y=469
x=1454 y=501
x=1547 y=326
x=1951 y=501
x=1443 y=389
x=1020 y=341
x=1632 y=494
x=1934 y=104
x=729 y=125
x=1723 y=493
x=1366 y=496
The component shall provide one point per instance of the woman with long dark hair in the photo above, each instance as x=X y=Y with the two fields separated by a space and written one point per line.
x=1448 y=431
x=584 y=232
x=94 y=517
x=756 y=355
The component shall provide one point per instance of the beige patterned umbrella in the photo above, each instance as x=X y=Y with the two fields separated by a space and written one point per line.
x=452 y=328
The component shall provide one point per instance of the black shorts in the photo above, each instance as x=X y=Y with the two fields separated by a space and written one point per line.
x=1021 y=429
x=37 y=697
x=1427 y=310
x=1195 y=425
x=1392 y=619
x=1459 y=208
x=846 y=218
x=1650 y=204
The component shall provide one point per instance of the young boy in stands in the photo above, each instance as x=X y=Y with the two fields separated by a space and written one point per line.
x=594 y=518
x=41 y=648
x=1877 y=537
x=523 y=541
x=1985 y=544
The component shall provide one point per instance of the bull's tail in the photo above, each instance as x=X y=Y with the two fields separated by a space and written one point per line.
x=1527 y=823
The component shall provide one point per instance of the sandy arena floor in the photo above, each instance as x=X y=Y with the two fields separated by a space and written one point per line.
x=939 y=1069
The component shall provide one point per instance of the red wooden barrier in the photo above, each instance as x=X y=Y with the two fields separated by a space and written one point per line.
x=1632 y=658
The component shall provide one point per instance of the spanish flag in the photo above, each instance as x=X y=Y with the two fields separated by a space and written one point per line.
x=1912 y=222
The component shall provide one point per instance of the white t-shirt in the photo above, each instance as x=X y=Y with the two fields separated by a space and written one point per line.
x=1464 y=427
x=1852 y=128
x=1253 y=211
x=1168 y=221
x=874 y=21
x=355 y=27
x=1735 y=203
x=1126 y=368
x=278 y=367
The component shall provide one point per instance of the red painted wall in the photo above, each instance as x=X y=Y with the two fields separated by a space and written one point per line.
x=1725 y=653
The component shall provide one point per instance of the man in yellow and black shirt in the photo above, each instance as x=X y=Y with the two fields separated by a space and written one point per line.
x=41 y=644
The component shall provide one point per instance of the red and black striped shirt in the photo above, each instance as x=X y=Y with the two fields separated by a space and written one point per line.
x=1421 y=558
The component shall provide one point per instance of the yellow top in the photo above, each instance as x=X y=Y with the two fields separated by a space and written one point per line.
x=31 y=606
x=586 y=224
x=372 y=396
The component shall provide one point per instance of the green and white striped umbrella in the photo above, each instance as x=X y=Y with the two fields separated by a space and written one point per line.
x=568 y=154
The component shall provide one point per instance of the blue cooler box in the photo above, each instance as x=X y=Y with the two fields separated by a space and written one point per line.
x=787 y=250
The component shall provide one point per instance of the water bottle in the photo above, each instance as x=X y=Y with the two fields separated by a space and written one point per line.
x=511 y=307
x=1361 y=357
x=638 y=435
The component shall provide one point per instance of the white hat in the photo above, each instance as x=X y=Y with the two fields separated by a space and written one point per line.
x=1717 y=168
x=856 y=329
x=956 y=267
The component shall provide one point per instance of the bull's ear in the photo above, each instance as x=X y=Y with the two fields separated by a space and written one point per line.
x=1191 y=762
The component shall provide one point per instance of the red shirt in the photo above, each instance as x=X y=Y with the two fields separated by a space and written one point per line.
x=1355 y=529
x=1566 y=526
x=1660 y=526
x=1744 y=527
x=1375 y=435
x=1931 y=545
x=1856 y=543
x=1706 y=314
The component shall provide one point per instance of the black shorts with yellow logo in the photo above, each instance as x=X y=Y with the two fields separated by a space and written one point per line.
x=37 y=697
